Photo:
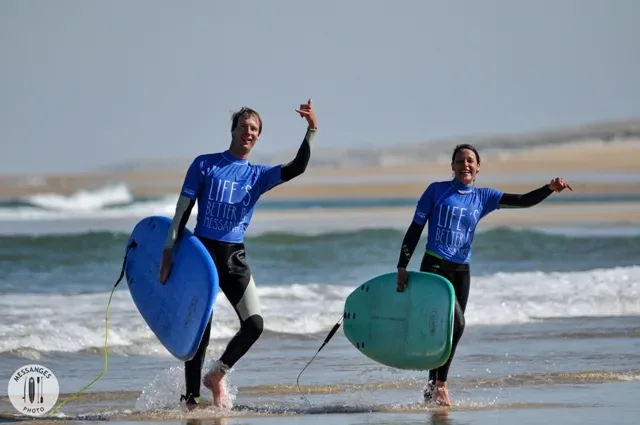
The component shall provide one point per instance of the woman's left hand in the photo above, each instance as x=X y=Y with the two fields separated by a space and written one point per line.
x=558 y=185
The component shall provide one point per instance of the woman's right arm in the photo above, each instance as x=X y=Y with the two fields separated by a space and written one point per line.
x=412 y=235
x=409 y=243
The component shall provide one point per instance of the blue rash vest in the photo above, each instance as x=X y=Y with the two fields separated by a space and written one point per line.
x=227 y=189
x=453 y=211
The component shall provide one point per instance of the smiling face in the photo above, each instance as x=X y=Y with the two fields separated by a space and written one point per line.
x=465 y=165
x=245 y=132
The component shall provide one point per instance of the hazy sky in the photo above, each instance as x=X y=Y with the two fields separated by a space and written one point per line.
x=105 y=81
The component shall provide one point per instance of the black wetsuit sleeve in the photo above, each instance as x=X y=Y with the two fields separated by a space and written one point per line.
x=527 y=200
x=180 y=219
x=409 y=243
x=299 y=164
x=185 y=218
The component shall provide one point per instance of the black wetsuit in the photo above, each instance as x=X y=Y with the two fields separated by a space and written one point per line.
x=457 y=274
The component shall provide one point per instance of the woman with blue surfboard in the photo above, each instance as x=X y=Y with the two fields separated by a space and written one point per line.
x=453 y=209
x=227 y=186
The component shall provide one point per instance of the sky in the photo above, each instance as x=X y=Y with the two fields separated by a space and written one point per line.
x=86 y=84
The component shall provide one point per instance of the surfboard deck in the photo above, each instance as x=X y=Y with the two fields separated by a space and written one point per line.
x=406 y=330
x=178 y=311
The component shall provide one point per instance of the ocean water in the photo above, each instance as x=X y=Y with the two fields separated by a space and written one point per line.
x=553 y=320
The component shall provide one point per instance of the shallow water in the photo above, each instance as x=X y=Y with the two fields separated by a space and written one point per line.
x=552 y=365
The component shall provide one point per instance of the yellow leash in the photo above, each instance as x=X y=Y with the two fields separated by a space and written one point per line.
x=106 y=333
x=106 y=361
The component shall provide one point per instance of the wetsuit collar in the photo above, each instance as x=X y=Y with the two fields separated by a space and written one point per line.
x=231 y=158
x=462 y=188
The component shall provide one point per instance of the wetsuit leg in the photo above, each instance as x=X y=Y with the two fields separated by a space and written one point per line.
x=459 y=276
x=236 y=282
x=240 y=289
x=193 y=367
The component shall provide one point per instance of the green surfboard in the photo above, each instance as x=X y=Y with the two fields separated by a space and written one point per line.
x=406 y=330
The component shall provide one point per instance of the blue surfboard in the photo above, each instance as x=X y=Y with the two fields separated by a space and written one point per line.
x=178 y=311
x=410 y=330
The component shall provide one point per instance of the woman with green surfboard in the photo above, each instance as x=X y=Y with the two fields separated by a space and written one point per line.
x=453 y=209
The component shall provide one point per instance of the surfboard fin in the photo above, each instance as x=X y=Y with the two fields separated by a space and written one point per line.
x=326 y=340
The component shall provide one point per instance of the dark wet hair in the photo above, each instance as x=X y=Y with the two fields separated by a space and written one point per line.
x=465 y=146
x=235 y=118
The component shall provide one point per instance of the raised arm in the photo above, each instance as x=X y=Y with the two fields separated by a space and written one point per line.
x=510 y=200
x=299 y=164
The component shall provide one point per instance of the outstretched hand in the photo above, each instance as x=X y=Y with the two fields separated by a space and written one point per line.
x=558 y=185
x=306 y=111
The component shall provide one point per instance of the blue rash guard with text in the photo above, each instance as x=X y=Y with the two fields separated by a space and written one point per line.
x=227 y=189
x=453 y=217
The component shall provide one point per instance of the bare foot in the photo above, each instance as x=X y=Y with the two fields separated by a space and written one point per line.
x=214 y=380
x=442 y=394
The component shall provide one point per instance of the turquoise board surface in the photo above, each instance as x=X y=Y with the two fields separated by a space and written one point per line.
x=178 y=311
x=405 y=330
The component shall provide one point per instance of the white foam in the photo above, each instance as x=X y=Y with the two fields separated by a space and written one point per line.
x=517 y=297
x=49 y=322
x=84 y=200
x=109 y=202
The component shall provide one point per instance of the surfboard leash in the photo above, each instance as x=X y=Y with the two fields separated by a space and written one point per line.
x=326 y=340
x=132 y=245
